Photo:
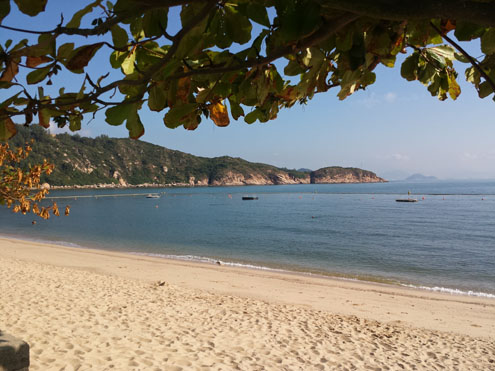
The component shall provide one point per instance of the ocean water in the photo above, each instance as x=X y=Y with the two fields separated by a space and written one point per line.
x=444 y=242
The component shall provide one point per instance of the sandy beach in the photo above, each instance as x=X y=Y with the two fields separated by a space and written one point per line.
x=85 y=309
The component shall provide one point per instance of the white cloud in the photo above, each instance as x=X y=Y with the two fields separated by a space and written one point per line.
x=54 y=129
x=390 y=97
x=469 y=156
x=400 y=157
x=373 y=99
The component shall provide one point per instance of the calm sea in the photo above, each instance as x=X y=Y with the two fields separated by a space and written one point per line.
x=444 y=242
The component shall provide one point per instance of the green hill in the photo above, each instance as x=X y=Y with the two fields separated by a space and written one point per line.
x=103 y=160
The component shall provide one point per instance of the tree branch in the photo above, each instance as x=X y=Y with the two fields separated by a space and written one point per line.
x=478 y=12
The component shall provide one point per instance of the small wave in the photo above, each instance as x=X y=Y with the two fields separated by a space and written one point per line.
x=452 y=291
x=203 y=259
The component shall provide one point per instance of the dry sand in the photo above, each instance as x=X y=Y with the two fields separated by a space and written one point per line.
x=85 y=309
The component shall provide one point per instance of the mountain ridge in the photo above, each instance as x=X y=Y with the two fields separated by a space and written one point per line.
x=122 y=162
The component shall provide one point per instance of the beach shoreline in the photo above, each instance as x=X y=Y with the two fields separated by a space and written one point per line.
x=282 y=297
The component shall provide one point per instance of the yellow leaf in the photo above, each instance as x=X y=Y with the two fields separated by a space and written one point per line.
x=219 y=115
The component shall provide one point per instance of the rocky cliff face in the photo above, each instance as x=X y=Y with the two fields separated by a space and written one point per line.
x=232 y=178
x=112 y=162
x=344 y=175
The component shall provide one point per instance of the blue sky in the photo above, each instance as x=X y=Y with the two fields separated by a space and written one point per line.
x=394 y=128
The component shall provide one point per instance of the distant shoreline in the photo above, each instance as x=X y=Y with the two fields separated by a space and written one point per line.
x=183 y=185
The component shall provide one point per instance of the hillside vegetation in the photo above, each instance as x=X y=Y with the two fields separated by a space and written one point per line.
x=126 y=162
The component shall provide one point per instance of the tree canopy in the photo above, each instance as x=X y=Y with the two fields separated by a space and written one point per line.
x=232 y=59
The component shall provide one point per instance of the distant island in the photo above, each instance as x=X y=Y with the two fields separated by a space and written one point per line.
x=121 y=162
x=420 y=178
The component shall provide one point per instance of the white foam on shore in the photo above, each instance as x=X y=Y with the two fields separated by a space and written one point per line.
x=202 y=259
x=452 y=291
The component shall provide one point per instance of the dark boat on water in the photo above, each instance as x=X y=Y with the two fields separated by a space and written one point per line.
x=246 y=198
x=406 y=200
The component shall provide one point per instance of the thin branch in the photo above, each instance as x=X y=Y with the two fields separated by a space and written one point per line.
x=474 y=63
x=23 y=30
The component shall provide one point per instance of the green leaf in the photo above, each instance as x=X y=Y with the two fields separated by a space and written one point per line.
x=128 y=63
x=118 y=114
x=297 y=18
x=31 y=7
x=44 y=117
x=253 y=116
x=46 y=45
x=75 y=123
x=38 y=75
x=81 y=56
x=409 y=67
x=488 y=41
x=117 y=58
x=461 y=58
x=5 y=84
x=235 y=109
x=437 y=57
x=173 y=117
x=119 y=37
x=65 y=50
x=134 y=125
x=75 y=22
x=137 y=28
x=7 y=129
x=256 y=12
x=445 y=51
x=238 y=28
x=484 y=90
x=4 y=8
x=155 y=22
x=157 y=98
x=344 y=42
x=465 y=31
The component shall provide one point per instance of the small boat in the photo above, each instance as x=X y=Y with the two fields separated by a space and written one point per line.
x=246 y=198
x=153 y=195
x=406 y=200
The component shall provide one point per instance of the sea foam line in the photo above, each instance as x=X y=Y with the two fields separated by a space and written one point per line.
x=203 y=259
x=452 y=291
